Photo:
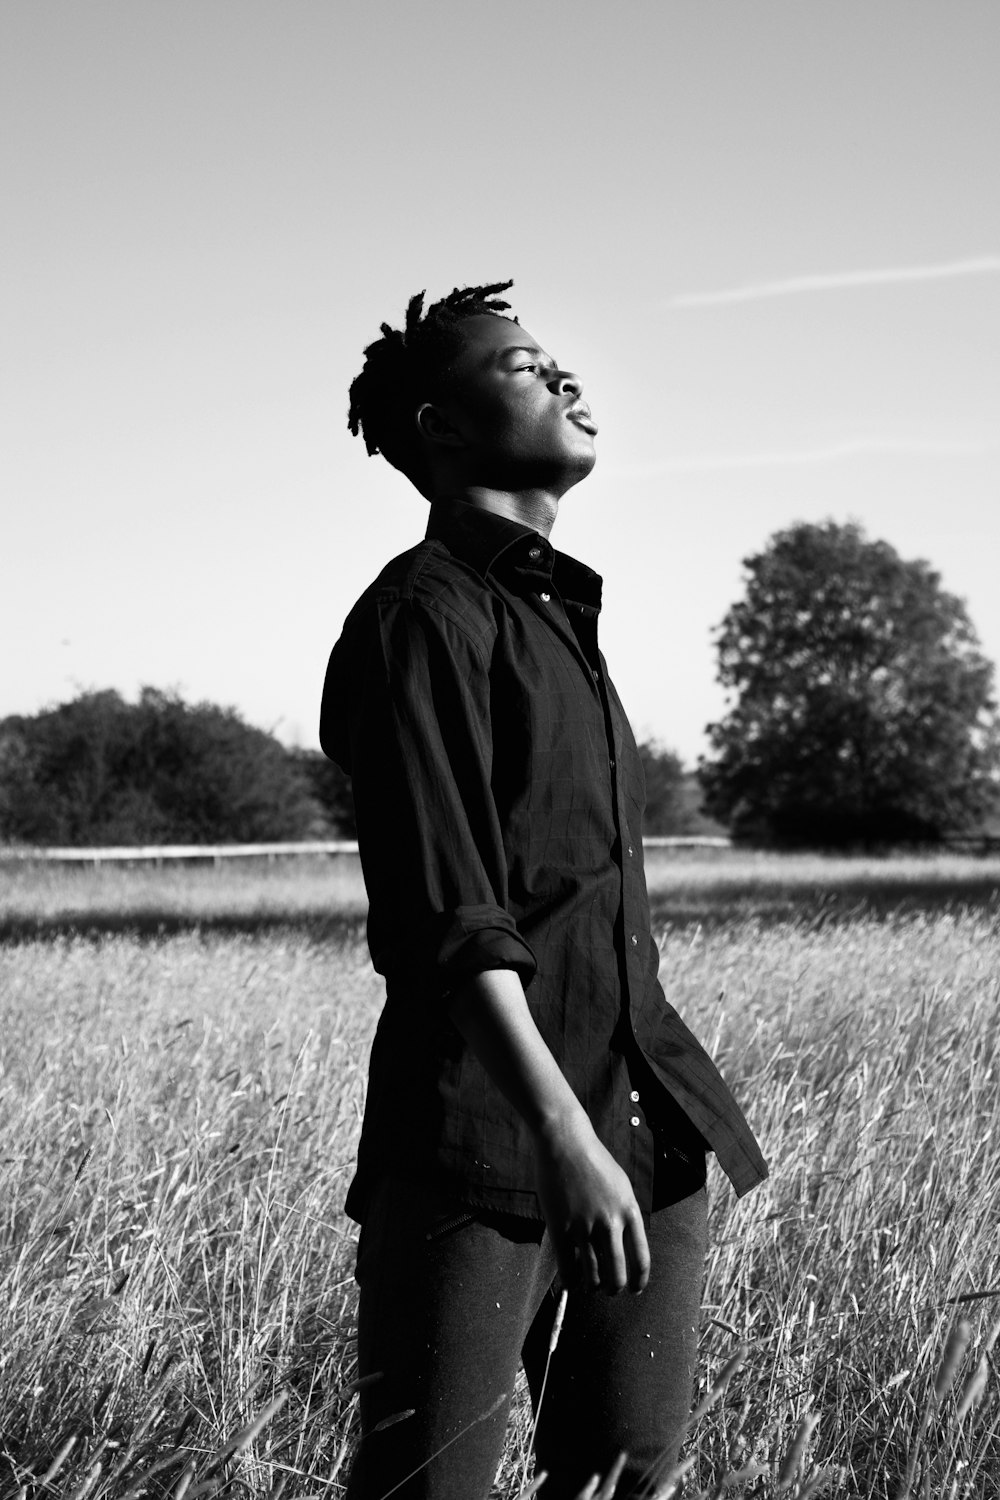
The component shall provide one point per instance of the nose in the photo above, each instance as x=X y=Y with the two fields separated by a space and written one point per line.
x=565 y=382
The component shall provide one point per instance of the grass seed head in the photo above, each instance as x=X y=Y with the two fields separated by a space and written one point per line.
x=793 y=1456
x=954 y=1353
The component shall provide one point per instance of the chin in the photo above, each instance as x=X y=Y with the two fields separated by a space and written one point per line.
x=581 y=465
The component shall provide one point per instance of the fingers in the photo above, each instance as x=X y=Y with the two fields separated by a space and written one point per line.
x=610 y=1259
x=589 y=1268
x=578 y=1267
x=609 y=1252
x=636 y=1252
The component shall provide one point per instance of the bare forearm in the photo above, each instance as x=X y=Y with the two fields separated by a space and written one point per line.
x=586 y=1198
x=492 y=1014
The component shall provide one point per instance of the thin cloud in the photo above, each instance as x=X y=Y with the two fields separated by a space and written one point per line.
x=983 y=265
x=696 y=463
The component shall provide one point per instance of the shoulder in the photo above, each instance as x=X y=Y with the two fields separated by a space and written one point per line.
x=425 y=603
x=425 y=588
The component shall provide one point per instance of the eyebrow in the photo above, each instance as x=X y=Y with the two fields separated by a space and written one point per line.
x=531 y=349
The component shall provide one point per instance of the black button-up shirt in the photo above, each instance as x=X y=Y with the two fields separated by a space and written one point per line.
x=499 y=798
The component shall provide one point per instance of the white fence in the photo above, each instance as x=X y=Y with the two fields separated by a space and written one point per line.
x=159 y=853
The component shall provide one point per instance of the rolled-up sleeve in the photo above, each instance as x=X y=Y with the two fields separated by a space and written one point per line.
x=409 y=687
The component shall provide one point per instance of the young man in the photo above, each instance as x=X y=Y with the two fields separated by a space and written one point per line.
x=537 y=1114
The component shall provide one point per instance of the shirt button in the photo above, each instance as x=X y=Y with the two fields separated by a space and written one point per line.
x=534 y=553
x=634 y=1096
x=635 y=941
x=545 y=598
x=596 y=675
x=635 y=1120
x=631 y=851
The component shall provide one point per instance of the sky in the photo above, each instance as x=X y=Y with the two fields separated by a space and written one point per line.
x=767 y=236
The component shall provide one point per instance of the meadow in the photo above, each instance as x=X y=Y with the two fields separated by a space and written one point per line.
x=182 y=1062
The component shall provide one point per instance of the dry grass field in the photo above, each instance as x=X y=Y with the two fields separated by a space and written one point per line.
x=182 y=1058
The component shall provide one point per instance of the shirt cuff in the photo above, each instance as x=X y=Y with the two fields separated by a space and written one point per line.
x=478 y=938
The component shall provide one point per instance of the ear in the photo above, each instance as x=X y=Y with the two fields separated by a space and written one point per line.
x=436 y=428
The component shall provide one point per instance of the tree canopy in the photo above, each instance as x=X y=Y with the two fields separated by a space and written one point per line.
x=100 y=770
x=861 y=705
x=331 y=788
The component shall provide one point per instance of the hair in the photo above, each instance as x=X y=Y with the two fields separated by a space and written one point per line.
x=410 y=365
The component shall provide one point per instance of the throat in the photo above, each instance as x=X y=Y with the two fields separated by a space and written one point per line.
x=535 y=509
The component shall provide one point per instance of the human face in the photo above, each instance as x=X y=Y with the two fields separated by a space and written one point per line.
x=520 y=419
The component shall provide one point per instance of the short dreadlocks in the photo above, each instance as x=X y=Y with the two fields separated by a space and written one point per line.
x=408 y=366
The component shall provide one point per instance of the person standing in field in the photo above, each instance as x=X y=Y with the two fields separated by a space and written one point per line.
x=537 y=1114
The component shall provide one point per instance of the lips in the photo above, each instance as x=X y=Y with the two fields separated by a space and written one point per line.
x=580 y=414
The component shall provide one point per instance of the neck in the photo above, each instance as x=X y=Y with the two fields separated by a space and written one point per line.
x=535 y=508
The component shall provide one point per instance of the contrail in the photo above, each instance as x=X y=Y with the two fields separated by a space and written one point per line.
x=983 y=265
x=696 y=463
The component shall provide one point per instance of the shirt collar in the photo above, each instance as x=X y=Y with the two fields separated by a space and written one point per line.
x=514 y=554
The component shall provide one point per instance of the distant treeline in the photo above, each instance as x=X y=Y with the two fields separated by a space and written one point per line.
x=861 y=712
x=102 y=771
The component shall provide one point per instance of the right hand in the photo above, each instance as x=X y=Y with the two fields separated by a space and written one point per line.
x=590 y=1210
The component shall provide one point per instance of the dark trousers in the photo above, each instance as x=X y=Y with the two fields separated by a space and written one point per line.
x=451 y=1304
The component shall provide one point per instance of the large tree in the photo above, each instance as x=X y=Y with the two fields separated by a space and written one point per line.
x=861 y=705
x=100 y=770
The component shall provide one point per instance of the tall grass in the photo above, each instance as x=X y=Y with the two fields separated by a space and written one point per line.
x=323 y=892
x=867 y=1054
x=146 y=897
x=178 y=1117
